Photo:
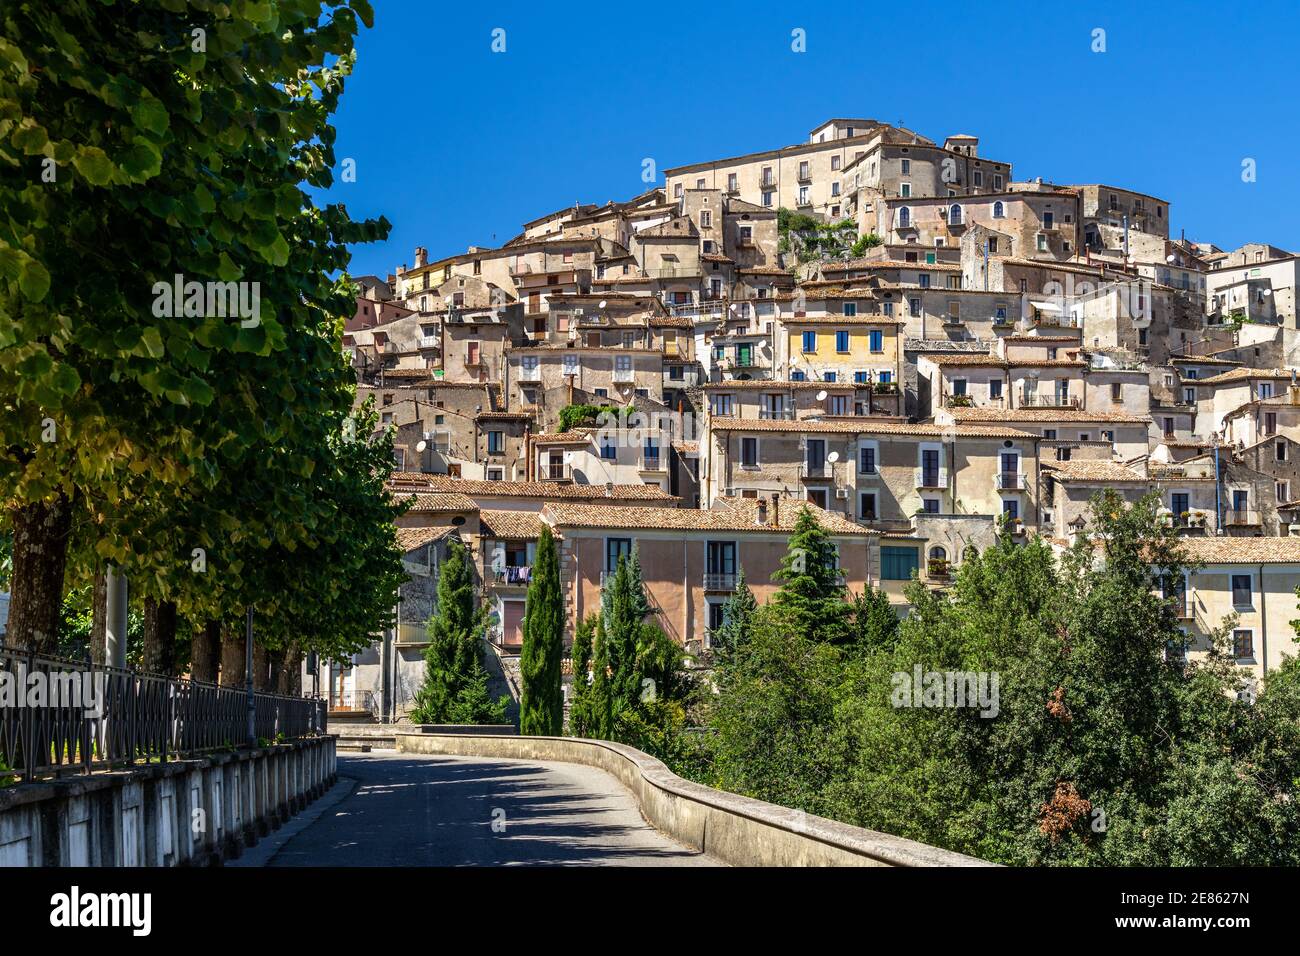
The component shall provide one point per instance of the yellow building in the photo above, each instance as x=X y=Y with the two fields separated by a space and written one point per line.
x=852 y=346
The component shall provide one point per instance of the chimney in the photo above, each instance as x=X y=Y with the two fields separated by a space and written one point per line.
x=761 y=514
x=421 y=257
x=776 y=510
x=609 y=489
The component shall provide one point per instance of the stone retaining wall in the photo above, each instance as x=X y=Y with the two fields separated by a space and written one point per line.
x=732 y=828
x=193 y=812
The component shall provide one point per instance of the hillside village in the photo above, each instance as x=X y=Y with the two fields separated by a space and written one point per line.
x=894 y=330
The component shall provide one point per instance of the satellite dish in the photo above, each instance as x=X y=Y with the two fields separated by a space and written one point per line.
x=421 y=445
x=833 y=457
x=1265 y=291
x=1169 y=258
x=602 y=303
x=821 y=396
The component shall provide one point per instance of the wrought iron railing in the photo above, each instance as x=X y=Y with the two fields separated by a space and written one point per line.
x=58 y=716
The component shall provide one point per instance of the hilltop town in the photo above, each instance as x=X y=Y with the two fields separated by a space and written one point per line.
x=893 y=330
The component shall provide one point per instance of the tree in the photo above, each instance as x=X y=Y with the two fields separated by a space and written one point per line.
x=738 y=616
x=601 y=701
x=188 y=139
x=811 y=592
x=874 y=622
x=541 y=708
x=455 y=681
x=580 y=704
x=623 y=608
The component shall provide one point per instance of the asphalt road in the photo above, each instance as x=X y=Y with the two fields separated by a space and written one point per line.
x=466 y=811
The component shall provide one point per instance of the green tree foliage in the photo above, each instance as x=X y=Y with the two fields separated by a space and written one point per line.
x=863 y=243
x=455 y=681
x=811 y=593
x=581 y=716
x=191 y=139
x=541 y=709
x=738 y=616
x=1098 y=748
x=623 y=610
x=601 y=700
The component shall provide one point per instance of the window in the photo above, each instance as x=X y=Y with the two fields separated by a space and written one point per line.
x=803 y=196
x=749 y=452
x=717 y=617
x=720 y=558
x=995 y=388
x=867 y=460
x=897 y=563
x=829 y=377
x=835 y=189
x=767 y=197
x=839 y=405
x=706 y=219
x=835 y=162
x=850 y=308
x=722 y=405
x=1265 y=389
x=905 y=191
x=860 y=378
x=1280 y=450
x=841 y=341
x=997 y=181
x=1241 y=591
x=867 y=506
x=810 y=342
x=959 y=386
x=906 y=166
x=1243 y=644
x=616 y=548
x=496 y=443
x=999 y=210
x=1042 y=242
x=876 y=340
x=1011 y=508
x=954 y=215
x=904 y=218
x=1281 y=489
x=884 y=376
x=608 y=450
x=931 y=505
x=495 y=474
x=914 y=307
x=732 y=183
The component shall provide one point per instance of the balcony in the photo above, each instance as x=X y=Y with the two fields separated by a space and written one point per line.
x=533 y=374
x=932 y=478
x=624 y=376
x=776 y=414
x=507 y=575
x=709 y=309
x=1048 y=401
x=1242 y=517
x=557 y=473
x=718 y=581
x=805 y=174
x=937 y=569
x=810 y=471
x=412 y=634
x=652 y=463
x=1012 y=481
x=428 y=342
x=476 y=361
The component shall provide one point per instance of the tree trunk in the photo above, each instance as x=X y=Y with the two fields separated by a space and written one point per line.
x=205 y=658
x=159 y=637
x=289 y=679
x=232 y=657
x=261 y=667
x=99 y=619
x=41 y=533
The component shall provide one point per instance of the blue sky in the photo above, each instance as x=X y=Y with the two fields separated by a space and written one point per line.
x=458 y=145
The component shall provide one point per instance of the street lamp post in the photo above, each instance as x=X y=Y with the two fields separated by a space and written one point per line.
x=248 y=678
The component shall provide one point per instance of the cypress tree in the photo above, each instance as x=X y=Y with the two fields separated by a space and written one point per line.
x=810 y=593
x=455 y=681
x=580 y=715
x=542 y=707
x=737 y=621
x=601 y=704
x=624 y=608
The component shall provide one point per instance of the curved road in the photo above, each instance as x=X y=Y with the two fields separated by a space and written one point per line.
x=407 y=810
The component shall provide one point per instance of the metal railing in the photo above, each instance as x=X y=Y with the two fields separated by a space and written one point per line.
x=89 y=717
x=1011 y=480
x=719 y=581
x=1241 y=516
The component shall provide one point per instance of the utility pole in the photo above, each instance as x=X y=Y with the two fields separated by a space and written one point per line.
x=248 y=678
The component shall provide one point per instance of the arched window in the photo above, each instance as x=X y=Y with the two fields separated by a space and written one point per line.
x=954 y=215
x=938 y=554
x=998 y=210
x=904 y=218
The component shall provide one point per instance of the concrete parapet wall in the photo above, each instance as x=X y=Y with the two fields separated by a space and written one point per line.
x=734 y=829
x=193 y=812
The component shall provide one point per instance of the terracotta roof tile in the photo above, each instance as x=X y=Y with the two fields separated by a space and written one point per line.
x=864 y=425
x=408 y=539
x=548 y=489
x=1047 y=415
x=1083 y=470
x=1270 y=550
x=730 y=514
x=517 y=525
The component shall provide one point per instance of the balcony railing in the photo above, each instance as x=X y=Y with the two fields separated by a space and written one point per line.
x=1012 y=481
x=717 y=581
x=410 y=632
x=1048 y=401
x=533 y=374
x=815 y=471
x=932 y=478
x=651 y=463
x=1242 y=516
x=624 y=375
x=776 y=414
x=557 y=473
